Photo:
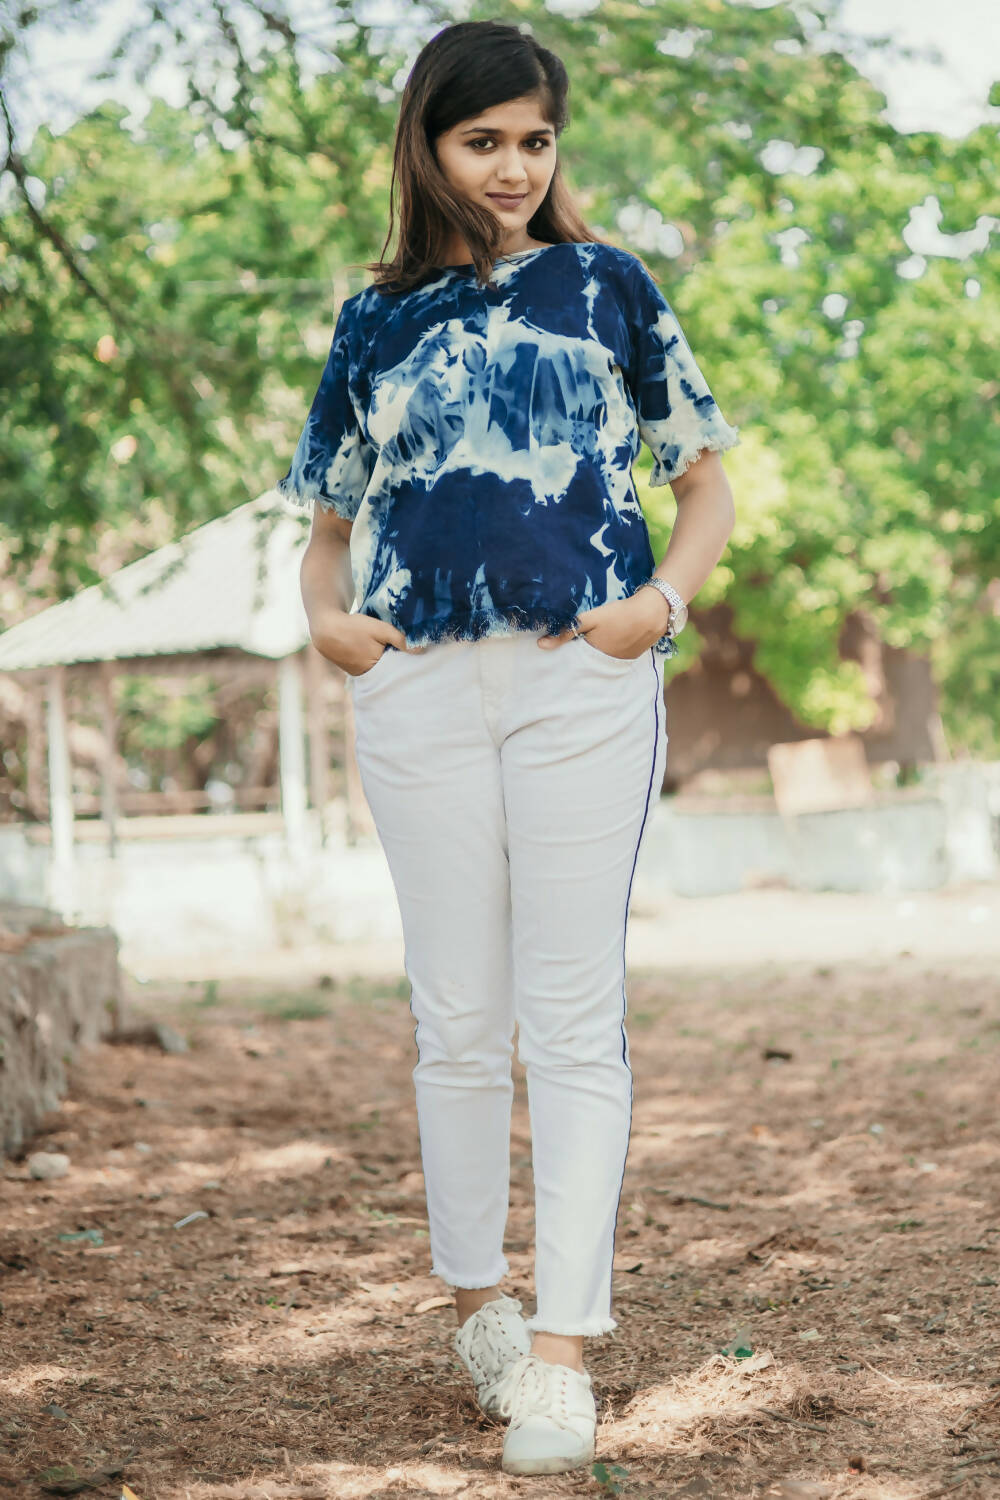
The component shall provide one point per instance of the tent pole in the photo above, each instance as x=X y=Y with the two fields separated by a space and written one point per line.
x=319 y=749
x=34 y=705
x=291 y=752
x=61 y=870
x=109 y=792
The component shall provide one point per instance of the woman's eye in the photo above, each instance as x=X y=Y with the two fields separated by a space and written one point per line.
x=487 y=141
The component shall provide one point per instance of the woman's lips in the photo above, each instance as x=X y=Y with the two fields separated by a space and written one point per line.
x=508 y=200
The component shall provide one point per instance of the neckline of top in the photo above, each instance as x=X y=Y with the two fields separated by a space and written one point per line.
x=469 y=265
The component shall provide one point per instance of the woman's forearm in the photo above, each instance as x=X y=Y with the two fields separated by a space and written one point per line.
x=325 y=578
x=705 y=519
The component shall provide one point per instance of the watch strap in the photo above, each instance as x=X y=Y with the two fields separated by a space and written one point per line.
x=675 y=601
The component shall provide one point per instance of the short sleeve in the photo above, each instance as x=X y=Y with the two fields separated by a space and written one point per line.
x=677 y=414
x=333 y=460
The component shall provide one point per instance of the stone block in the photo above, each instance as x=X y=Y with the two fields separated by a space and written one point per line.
x=60 y=990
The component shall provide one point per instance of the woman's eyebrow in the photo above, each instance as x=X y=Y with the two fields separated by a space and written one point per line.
x=492 y=130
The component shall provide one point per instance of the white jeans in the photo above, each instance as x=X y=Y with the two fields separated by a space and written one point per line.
x=510 y=787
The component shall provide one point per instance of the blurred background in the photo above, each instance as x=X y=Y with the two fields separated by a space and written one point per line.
x=188 y=193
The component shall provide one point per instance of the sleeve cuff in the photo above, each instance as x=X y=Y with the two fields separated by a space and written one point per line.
x=308 y=496
x=720 y=440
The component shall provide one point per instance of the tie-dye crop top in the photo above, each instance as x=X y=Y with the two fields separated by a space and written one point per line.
x=481 y=439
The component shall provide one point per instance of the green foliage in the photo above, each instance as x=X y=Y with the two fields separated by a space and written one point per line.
x=181 y=732
x=168 y=301
x=610 y=1477
x=967 y=665
x=160 y=718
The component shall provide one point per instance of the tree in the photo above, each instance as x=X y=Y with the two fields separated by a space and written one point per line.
x=171 y=289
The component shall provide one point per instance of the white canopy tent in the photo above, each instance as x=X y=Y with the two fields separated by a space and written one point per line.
x=229 y=588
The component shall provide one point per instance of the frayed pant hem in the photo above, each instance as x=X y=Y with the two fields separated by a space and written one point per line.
x=466 y=1283
x=587 y=1327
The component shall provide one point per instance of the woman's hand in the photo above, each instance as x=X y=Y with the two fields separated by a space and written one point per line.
x=354 y=642
x=622 y=627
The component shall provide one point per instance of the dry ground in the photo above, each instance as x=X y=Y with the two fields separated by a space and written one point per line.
x=813 y=1178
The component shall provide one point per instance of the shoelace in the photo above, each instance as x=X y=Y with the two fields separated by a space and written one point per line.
x=533 y=1382
x=489 y=1336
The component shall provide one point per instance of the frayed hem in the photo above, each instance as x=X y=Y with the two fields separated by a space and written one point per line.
x=307 y=497
x=465 y=1283
x=720 y=439
x=586 y=1328
x=478 y=625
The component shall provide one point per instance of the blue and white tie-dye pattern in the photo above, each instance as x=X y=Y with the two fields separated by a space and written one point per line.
x=482 y=439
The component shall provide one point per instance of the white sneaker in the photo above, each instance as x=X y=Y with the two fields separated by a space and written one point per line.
x=489 y=1342
x=553 y=1418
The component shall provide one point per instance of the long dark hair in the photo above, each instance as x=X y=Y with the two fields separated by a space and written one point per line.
x=462 y=71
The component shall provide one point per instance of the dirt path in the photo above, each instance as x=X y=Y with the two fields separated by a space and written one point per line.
x=814 y=1177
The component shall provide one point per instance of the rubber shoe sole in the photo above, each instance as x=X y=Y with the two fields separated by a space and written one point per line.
x=556 y=1463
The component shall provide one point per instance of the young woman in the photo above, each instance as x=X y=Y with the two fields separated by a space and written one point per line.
x=470 y=445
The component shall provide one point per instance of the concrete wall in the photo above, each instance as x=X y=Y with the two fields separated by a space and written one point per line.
x=203 y=893
x=944 y=832
x=23 y=866
x=866 y=849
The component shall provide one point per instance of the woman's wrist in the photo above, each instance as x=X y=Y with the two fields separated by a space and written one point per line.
x=656 y=610
x=325 y=621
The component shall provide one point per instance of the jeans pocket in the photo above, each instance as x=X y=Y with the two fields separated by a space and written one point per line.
x=370 y=671
x=622 y=663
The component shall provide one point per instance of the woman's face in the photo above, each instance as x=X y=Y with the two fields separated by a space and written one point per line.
x=502 y=159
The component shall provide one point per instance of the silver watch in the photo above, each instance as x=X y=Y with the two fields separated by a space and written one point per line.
x=678 y=609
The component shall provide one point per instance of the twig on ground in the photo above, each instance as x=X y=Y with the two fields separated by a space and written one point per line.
x=864 y=1422
x=870 y=1366
x=979 y=1458
x=944 y=1489
x=691 y=1198
x=976 y=1406
x=779 y=1416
